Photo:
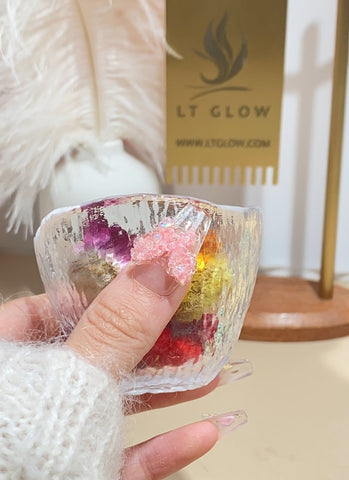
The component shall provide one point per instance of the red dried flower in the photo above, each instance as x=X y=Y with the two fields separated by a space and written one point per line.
x=169 y=350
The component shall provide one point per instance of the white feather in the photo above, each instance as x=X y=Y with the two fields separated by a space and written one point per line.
x=76 y=73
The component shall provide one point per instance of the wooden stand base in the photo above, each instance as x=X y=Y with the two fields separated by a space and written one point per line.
x=290 y=310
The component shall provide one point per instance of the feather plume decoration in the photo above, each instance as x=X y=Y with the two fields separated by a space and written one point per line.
x=76 y=73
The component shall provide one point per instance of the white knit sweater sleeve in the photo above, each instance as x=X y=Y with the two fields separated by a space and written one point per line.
x=60 y=417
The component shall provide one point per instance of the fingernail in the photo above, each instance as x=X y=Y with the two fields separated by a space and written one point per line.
x=235 y=370
x=153 y=277
x=174 y=243
x=190 y=218
x=228 y=422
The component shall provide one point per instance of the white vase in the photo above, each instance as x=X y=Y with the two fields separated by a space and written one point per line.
x=82 y=179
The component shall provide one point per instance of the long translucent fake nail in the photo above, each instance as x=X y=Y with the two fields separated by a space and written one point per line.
x=235 y=370
x=174 y=243
x=190 y=218
x=228 y=422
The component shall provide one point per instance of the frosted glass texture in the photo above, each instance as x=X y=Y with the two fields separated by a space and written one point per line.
x=79 y=250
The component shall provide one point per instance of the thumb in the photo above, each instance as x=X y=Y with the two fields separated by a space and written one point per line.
x=126 y=318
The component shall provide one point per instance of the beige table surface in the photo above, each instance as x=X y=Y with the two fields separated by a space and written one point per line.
x=297 y=401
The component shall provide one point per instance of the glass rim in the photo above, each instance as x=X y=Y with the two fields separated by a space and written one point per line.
x=124 y=199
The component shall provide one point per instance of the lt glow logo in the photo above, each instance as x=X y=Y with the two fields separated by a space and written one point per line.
x=218 y=50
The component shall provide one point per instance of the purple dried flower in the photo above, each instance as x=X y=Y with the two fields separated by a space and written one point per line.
x=105 y=238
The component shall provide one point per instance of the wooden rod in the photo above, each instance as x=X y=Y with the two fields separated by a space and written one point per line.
x=335 y=151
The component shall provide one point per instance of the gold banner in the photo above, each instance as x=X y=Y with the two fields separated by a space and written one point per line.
x=224 y=88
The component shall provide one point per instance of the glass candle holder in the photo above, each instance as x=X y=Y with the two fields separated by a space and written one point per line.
x=80 y=249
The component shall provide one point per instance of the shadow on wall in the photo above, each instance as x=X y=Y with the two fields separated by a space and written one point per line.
x=19 y=277
x=15 y=243
x=305 y=85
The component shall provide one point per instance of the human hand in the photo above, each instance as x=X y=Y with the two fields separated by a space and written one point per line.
x=114 y=333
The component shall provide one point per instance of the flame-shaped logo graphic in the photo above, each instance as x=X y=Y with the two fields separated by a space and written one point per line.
x=219 y=52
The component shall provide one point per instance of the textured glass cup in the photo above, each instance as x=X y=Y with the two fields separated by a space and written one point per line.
x=79 y=250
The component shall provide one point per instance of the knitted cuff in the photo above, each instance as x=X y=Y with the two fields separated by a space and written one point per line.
x=60 y=417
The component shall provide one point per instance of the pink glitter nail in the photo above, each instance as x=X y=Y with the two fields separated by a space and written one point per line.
x=174 y=243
